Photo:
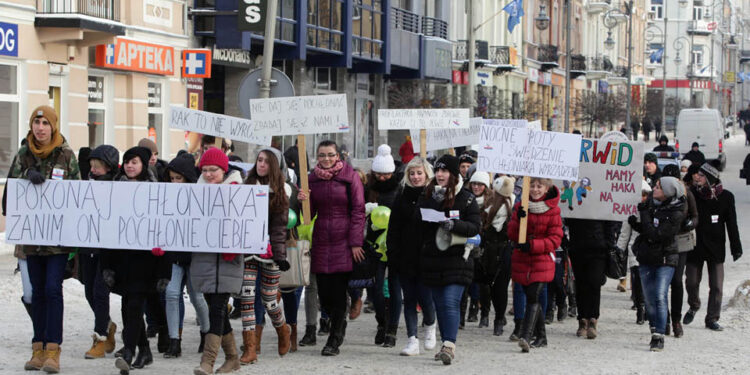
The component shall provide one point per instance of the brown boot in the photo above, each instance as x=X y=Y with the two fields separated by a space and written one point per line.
x=591 y=333
x=98 y=348
x=356 y=309
x=210 y=351
x=283 y=333
x=293 y=338
x=258 y=335
x=231 y=358
x=52 y=361
x=111 y=330
x=248 y=353
x=583 y=326
x=37 y=357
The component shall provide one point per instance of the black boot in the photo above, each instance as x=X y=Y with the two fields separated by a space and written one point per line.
x=562 y=312
x=462 y=319
x=27 y=306
x=498 y=327
x=390 y=337
x=144 y=357
x=533 y=312
x=123 y=362
x=336 y=337
x=309 y=338
x=573 y=309
x=516 y=335
x=484 y=321
x=473 y=311
x=174 y=350
x=325 y=326
x=163 y=342
x=203 y=342
x=541 y=335
x=640 y=315
x=550 y=315
x=151 y=331
x=380 y=335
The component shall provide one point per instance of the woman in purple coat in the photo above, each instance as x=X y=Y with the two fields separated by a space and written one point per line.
x=337 y=198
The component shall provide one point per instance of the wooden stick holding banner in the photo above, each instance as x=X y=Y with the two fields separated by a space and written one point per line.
x=423 y=143
x=303 y=180
x=512 y=147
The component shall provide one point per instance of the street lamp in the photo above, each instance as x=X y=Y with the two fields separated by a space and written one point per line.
x=542 y=20
x=610 y=22
x=609 y=43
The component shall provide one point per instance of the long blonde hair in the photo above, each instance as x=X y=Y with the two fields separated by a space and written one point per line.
x=417 y=162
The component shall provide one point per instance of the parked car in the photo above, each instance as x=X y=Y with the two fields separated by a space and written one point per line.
x=704 y=126
x=664 y=158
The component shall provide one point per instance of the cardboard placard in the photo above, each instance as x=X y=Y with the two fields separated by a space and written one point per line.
x=609 y=183
x=440 y=139
x=139 y=216
x=218 y=125
x=441 y=118
x=506 y=147
x=295 y=115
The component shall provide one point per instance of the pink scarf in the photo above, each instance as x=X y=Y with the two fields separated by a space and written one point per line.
x=327 y=174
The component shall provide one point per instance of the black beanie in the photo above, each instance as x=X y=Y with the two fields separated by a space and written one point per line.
x=650 y=157
x=449 y=163
x=142 y=153
x=108 y=155
x=671 y=170
x=711 y=173
x=184 y=164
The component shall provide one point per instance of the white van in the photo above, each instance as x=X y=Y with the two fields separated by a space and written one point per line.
x=704 y=126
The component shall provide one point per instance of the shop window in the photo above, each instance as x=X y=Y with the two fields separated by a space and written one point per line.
x=366 y=21
x=96 y=111
x=155 y=111
x=9 y=101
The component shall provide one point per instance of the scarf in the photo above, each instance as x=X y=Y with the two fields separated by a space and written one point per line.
x=327 y=174
x=538 y=207
x=42 y=152
x=707 y=192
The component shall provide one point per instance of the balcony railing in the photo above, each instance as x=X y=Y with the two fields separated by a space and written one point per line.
x=405 y=20
x=461 y=50
x=548 y=54
x=500 y=55
x=599 y=64
x=621 y=71
x=434 y=27
x=106 y=9
x=578 y=62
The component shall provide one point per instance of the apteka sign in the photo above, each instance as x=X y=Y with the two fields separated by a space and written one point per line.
x=133 y=55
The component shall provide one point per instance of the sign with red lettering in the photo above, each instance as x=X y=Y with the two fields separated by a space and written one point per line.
x=133 y=55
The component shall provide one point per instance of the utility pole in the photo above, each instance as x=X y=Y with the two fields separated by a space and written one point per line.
x=629 y=6
x=268 y=40
x=568 y=61
x=664 y=72
x=472 y=53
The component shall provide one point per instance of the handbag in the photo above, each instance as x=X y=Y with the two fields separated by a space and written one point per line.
x=298 y=256
x=686 y=241
x=616 y=263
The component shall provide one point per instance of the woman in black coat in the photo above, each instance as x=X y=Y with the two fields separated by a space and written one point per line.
x=404 y=243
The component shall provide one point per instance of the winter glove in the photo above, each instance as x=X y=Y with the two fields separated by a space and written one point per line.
x=524 y=247
x=35 y=177
x=632 y=220
x=447 y=225
x=109 y=277
x=521 y=213
x=161 y=285
x=283 y=265
x=157 y=251
x=228 y=257
x=736 y=256
x=643 y=206
x=689 y=224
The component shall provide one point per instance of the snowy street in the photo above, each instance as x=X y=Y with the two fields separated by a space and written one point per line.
x=621 y=348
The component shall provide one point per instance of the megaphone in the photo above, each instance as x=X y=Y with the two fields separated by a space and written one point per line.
x=444 y=240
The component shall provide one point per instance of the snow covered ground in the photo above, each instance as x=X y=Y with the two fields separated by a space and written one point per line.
x=622 y=347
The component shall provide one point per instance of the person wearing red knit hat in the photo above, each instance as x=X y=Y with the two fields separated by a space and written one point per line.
x=217 y=277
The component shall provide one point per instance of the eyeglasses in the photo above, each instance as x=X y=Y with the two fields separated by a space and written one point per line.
x=210 y=170
x=323 y=156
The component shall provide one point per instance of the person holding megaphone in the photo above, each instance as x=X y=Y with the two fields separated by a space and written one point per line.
x=533 y=261
x=446 y=270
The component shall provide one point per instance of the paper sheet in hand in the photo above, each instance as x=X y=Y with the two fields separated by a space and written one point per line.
x=432 y=216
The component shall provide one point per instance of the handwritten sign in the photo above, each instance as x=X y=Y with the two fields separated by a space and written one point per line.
x=218 y=125
x=512 y=149
x=442 y=118
x=296 y=115
x=609 y=182
x=439 y=139
x=139 y=216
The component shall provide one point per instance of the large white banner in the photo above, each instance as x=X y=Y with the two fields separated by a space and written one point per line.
x=295 y=115
x=440 y=139
x=440 y=118
x=218 y=125
x=609 y=182
x=140 y=216
x=506 y=147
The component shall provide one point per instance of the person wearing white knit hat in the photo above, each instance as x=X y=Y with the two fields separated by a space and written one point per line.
x=383 y=161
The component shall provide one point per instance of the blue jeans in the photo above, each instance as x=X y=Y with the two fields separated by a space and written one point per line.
x=175 y=303
x=415 y=292
x=395 y=299
x=519 y=301
x=655 y=282
x=97 y=292
x=25 y=280
x=448 y=309
x=46 y=273
x=376 y=293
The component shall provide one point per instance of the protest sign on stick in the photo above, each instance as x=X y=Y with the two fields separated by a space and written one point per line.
x=215 y=124
x=440 y=118
x=441 y=139
x=511 y=147
x=121 y=215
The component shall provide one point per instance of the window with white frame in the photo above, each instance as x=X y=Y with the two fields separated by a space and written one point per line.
x=155 y=111
x=698 y=13
x=9 y=102
x=97 y=110
x=657 y=11
x=697 y=57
